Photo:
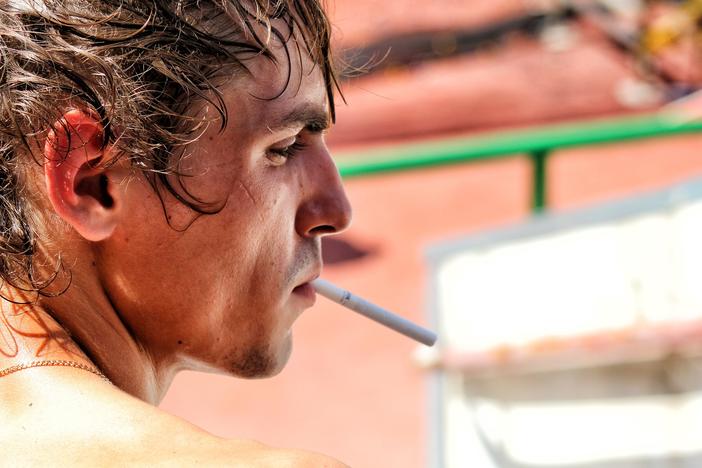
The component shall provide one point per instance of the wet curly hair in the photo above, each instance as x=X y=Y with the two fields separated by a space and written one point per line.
x=139 y=65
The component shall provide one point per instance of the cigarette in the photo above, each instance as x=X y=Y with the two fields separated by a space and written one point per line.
x=373 y=312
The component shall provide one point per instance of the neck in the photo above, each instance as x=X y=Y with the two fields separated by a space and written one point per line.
x=90 y=333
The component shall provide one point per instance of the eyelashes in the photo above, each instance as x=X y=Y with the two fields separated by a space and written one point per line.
x=279 y=156
x=308 y=136
x=289 y=151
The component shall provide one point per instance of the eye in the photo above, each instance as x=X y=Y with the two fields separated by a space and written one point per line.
x=281 y=154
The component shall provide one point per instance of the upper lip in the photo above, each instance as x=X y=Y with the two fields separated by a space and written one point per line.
x=311 y=278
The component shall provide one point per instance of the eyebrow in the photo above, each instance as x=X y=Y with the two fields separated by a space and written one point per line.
x=311 y=117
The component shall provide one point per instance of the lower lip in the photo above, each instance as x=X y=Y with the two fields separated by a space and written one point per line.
x=306 y=292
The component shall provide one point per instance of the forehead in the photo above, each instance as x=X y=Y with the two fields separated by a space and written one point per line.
x=288 y=87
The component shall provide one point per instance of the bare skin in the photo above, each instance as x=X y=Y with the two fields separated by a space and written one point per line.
x=146 y=300
x=64 y=417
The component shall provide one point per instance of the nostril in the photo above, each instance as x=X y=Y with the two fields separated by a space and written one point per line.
x=321 y=230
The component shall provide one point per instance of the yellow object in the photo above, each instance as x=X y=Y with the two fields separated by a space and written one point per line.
x=669 y=28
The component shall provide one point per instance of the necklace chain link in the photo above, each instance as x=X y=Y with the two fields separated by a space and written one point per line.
x=53 y=362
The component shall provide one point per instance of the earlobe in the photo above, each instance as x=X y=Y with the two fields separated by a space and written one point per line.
x=80 y=190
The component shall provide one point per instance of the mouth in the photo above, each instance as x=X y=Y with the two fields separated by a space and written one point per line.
x=305 y=292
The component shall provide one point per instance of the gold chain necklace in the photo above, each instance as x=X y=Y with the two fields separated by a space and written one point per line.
x=53 y=362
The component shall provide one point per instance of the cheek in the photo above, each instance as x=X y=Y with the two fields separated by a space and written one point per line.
x=238 y=259
x=210 y=176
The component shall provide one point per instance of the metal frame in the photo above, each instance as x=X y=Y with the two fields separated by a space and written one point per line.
x=537 y=144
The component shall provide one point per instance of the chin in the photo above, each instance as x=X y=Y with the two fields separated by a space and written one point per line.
x=261 y=362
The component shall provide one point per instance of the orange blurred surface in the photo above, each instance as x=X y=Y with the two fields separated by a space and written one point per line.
x=358 y=22
x=513 y=86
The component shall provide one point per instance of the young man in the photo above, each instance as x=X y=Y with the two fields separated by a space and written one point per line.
x=164 y=185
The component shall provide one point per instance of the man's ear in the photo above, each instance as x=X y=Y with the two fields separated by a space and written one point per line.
x=80 y=190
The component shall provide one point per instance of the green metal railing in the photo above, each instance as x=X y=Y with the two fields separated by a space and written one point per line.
x=537 y=143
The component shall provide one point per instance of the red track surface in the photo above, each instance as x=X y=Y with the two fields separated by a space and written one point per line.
x=511 y=86
x=351 y=389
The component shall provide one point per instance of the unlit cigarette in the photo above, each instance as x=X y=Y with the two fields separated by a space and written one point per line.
x=373 y=312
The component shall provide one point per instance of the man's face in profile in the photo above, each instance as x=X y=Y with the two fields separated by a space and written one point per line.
x=223 y=292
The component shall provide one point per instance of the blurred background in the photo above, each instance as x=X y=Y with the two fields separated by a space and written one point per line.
x=524 y=177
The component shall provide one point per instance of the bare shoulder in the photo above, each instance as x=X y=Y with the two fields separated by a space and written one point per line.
x=171 y=441
x=266 y=457
x=114 y=429
x=205 y=449
x=186 y=445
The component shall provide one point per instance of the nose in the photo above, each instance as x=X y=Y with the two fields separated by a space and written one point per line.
x=325 y=209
